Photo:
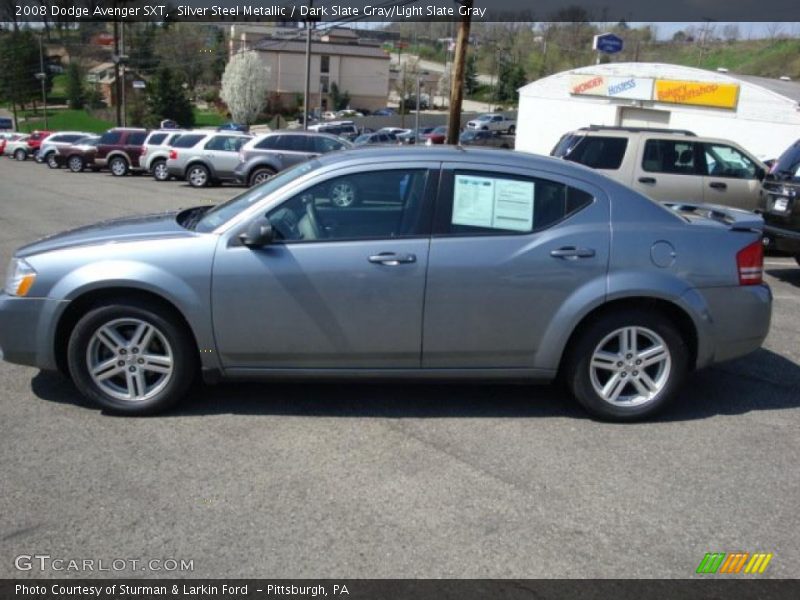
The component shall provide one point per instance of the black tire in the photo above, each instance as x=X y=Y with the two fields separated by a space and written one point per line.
x=118 y=166
x=76 y=164
x=20 y=155
x=260 y=175
x=50 y=159
x=198 y=176
x=184 y=356
x=159 y=169
x=578 y=372
x=797 y=259
x=511 y=130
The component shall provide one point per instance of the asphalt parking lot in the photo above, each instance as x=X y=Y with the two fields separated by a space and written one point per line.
x=382 y=481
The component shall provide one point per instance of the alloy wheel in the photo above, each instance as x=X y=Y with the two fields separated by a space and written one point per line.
x=630 y=366
x=129 y=359
x=198 y=177
x=160 y=171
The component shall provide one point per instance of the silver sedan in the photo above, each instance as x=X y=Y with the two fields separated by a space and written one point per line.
x=445 y=263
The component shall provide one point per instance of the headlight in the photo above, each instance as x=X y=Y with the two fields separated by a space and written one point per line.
x=19 y=278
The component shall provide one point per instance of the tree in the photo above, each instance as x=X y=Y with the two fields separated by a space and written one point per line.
x=19 y=64
x=245 y=84
x=339 y=100
x=510 y=78
x=471 y=75
x=167 y=100
x=76 y=94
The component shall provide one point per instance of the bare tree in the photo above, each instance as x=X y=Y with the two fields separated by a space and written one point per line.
x=774 y=30
x=245 y=84
x=730 y=32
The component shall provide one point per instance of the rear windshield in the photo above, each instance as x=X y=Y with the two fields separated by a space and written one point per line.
x=187 y=140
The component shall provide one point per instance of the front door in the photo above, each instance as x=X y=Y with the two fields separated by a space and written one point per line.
x=511 y=249
x=341 y=287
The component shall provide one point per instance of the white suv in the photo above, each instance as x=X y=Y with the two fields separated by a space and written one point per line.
x=669 y=164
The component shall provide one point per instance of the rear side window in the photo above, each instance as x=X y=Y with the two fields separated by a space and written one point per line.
x=296 y=143
x=187 y=140
x=226 y=143
x=598 y=152
x=157 y=139
x=670 y=156
x=484 y=204
x=110 y=137
x=136 y=138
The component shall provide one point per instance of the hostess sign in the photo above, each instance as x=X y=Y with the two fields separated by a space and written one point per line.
x=696 y=93
x=638 y=88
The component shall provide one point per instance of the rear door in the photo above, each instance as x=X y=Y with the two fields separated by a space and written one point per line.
x=134 y=143
x=223 y=153
x=730 y=177
x=670 y=169
x=510 y=249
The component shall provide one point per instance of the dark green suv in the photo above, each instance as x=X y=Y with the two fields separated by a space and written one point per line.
x=780 y=204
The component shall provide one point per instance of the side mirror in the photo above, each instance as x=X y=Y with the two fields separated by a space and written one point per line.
x=259 y=233
x=760 y=173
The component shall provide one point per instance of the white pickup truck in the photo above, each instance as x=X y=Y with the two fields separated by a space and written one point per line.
x=492 y=122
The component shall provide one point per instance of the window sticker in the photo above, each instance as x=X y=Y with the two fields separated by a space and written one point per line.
x=493 y=203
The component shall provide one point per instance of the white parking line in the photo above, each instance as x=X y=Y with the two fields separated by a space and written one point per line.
x=783 y=297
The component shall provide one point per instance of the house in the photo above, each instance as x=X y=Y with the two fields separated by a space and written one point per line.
x=103 y=78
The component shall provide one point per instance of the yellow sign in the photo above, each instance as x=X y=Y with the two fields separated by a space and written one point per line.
x=707 y=93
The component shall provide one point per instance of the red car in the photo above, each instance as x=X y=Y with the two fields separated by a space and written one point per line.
x=437 y=136
x=35 y=141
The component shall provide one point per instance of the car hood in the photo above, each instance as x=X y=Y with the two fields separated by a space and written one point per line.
x=127 y=229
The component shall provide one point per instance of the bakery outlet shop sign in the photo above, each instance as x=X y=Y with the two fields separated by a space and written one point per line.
x=671 y=91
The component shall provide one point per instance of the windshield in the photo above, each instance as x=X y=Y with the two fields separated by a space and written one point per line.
x=485 y=118
x=363 y=139
x=788 y=165
x=226 y=211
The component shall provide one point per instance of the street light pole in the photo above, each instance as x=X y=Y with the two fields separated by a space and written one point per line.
x=307 y=85
x=42 y=76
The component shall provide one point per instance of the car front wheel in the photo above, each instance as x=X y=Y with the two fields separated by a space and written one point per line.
x=51 y=161
x=20 y=155
x=118 y=166
x=198 y=176
x=131 y=358
x=626 y=365
x=75 y=164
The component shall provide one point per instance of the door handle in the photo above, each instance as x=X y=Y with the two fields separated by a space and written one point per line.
x=572 y=253
x=391 y=259
x=650 y=180
x=718 y=185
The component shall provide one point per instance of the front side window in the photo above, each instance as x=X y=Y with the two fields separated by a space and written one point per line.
x=484 y=203
x=371 y=205
x=324 y=144
x=678 y=157
x=725 y=161
x=598 y=152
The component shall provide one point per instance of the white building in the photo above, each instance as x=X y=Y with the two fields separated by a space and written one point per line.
x=760 y=114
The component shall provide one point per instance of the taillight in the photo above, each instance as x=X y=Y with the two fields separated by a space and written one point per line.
x=750 y=263
x=173 y=154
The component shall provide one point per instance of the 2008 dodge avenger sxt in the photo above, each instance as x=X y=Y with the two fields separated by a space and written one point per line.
x=397 y=262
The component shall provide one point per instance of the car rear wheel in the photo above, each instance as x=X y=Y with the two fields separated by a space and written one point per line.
x=198 y=176
x=75 y=164
x=626 y=365
x=131 y=358
x=160 y=172
x=20 y=154
x=118 y=166
x=512 y=129
x=260 y=175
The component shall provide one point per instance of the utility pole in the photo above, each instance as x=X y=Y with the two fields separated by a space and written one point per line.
x=42 y=76
x=116 y=74
x=307 y=85
x=457 y=89
x=416 y=120
x=122 y=74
